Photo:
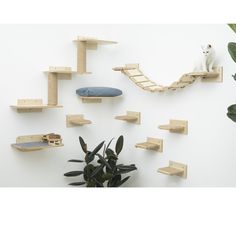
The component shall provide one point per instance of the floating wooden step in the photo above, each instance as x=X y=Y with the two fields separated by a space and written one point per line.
x=84 y=43
x=174 y=168
x=62 y=73
x=76 y=120
x=176 y=126
x=154 y=144
x=215 y=76
x=131 y=116
x=31 y=105
x=30 y=143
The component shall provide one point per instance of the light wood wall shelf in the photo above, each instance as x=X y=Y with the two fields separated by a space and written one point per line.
x=76 y=120
x=31 y=105
x=84 y=43
x=153 y=144
x=131 y=116
x=174 y=168
x=136 y=76
x=30 y=143
x=64 y=73
x=176 y=126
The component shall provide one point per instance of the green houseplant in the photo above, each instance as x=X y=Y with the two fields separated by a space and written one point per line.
x=101 y=170
x=232 y=51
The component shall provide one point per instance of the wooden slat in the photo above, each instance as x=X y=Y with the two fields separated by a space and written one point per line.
x=139 y=79
x=146 y=84
x=170 y=171
x=134 y=72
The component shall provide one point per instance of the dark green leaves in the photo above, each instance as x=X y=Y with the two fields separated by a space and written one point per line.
x=75 y=160
x=101 y=169
x=77 y=183
x=232 y=112
x=119 y=144
x=234 y=76
x=233 y=27
x=83 y=144
x=73 y=173
x=232 y=50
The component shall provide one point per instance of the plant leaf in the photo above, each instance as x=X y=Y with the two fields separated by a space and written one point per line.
x=89 y=158
x=107 y=176
x=120 y=172
x=75 y=160
x=73 y=173
x=122 y=181
x=83 y=144
x=232 y=116
x=91 y=184
x=119 y=144
x=97 y=170
x=232 y=50
x=91 y=155
x=77 y=183
x=233 y=27
x=103 y=160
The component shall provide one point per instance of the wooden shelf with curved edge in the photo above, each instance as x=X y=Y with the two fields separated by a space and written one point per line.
x=76 y=120
x=131 y=117
x=84 y=43
x=153 y=144
x=31 y=105
x=176 y=126
x=95 y=99
x=136 y=75
x=30 y=143
x=174 y=168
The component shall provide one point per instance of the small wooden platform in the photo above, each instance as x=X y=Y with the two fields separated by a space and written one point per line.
x=174 y=168
x=176 y=126
x=30 y=143
x=153 y=144
x=131 y=116
x=76 y=120
x=31 y=105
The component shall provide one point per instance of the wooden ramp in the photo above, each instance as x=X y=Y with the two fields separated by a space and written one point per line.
x=142 y=81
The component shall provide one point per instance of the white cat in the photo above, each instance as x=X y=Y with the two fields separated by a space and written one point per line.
x=208 y=58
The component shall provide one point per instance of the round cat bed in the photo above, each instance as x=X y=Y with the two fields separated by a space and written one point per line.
x=98 y=92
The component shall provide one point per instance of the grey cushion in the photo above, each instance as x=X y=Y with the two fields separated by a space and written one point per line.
x=98 y=92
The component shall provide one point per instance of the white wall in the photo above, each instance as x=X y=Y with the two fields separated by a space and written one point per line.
x=164 y=52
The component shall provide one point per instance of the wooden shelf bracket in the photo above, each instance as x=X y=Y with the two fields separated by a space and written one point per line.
x=131 y=117
x=76 y=120
x=174 y=168
x=153 y=144
x=176 y=126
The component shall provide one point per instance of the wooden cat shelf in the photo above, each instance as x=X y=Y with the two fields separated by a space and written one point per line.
x=95 y=99
x=136 y=76
x=174 y=168
x=38 y=142
x=76 y=120
x=84 y=43
x=131 y=116
x=176 y=126
x=154 y=144
x=31 y=105
x=61 y=72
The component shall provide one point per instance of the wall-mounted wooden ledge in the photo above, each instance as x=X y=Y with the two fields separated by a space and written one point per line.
x=30 y=143
x=93 y=41
x=176 y=126
x=174 y=168
x=31 y=105
x=76 y=120
x=153 y=144
x=95 y=99
x=215 y=76
x=131 y=116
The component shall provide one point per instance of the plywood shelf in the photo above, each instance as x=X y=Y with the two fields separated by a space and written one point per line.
x=176 y=126
x=174 y=168
x=94 y=99
x=84 y=43
x=153 y=144
x=131 y=116
x=76 y=120
x=32 y=105
x=30 y=143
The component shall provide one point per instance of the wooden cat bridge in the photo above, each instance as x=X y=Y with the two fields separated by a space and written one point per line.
x=142 y=81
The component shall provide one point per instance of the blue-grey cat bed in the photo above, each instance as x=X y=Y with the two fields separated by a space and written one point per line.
x=98 y=92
